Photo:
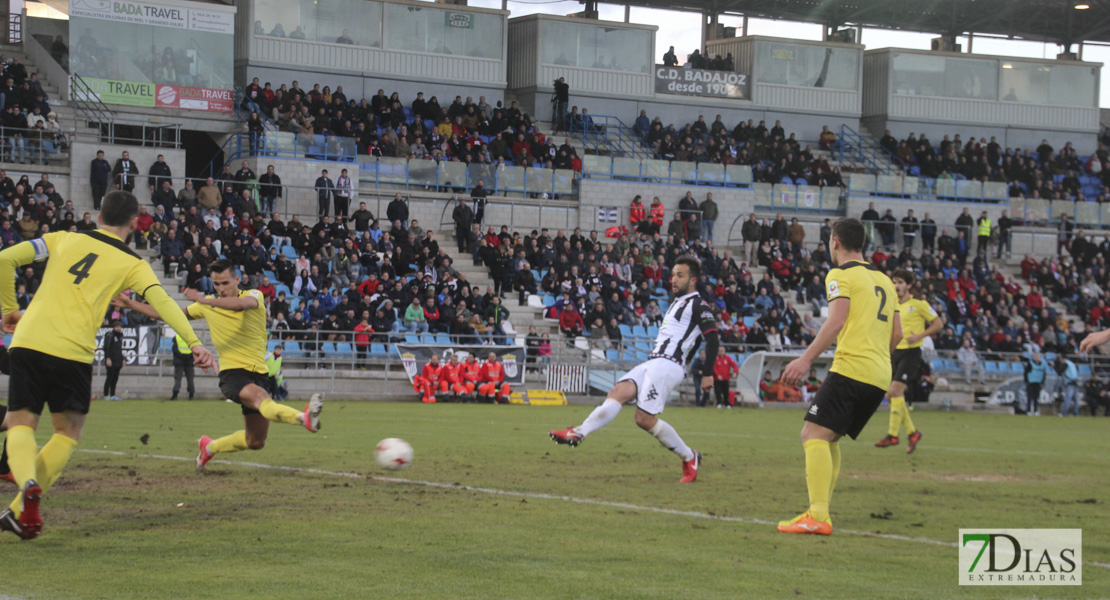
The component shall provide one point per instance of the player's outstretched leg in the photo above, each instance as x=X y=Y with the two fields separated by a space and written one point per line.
x=279 y=413
x=601 y=416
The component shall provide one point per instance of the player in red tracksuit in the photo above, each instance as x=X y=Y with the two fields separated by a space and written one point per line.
x=471 y=376
x=493 y=374
x=427 y=381
x=723 y=370
x=450 y=379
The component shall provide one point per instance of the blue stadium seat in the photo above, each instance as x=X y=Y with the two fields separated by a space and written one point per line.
x=749 y=322
x=292 y=347
x=328 y=348
x=1084 y=370
x=626 y=330
x=289 y=252
x=548 y=300
x=1016 y=368
x=344 y=349
x=612 y=356
x=378 y=350
x=281 y=287
x=442 y=339
x=270 y=345
x=652 y=331
x=412 y=338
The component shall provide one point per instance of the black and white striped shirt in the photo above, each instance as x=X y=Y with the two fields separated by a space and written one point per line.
x=687 y=320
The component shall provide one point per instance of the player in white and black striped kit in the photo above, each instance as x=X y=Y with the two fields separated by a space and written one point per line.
x=687 y=322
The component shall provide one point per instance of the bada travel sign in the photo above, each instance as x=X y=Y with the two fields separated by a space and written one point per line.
x=161 y=15
x=130 y=93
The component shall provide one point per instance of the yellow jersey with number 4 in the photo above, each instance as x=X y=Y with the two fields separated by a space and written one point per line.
x=863 y=346
x=915 y=316
x=85 y=272
x=239 y=335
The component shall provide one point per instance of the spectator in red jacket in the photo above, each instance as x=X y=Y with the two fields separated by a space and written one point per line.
x=636 y=212
x=570 y=322
x=723 y=370
x=267 y=289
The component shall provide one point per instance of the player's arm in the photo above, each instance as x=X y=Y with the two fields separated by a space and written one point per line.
x=708 y=325
x=896 y=332
x=236 y=304
x=838 y=315
x=11 y=259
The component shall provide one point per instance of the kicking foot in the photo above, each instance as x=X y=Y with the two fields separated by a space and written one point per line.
x=30 y=519
x=312 y=411
x=887 y=442
x=567 y=436
x=914 y=438
x=690 y=468
x=8 y=522
x=203 y=456
x=804 y=523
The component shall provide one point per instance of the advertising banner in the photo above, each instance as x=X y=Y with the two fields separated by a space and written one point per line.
x=191 y=98
x=139 y=344
x=415 y=356
x=142 y=13
x=130 y=93
x=700 y=82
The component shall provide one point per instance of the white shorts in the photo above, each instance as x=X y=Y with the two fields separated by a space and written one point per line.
x=655 y=380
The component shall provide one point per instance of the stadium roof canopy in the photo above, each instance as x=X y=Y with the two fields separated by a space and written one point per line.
x=1057 y=21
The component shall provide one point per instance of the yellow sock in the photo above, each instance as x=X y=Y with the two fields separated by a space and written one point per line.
x=279 y=413
x=834 y=452
x=818 y=477
x=235 y=442
x=897 y=409
x=53 y=458
x=906 y=421
x=22 y=451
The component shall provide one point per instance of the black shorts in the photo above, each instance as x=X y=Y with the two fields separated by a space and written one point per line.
x=844 y=405
x=906 y=364
x=232 y=381
x=39 y=379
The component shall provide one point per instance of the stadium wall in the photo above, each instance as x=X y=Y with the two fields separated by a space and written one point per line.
x=82 y=154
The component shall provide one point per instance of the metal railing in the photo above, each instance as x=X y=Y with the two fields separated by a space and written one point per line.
x=662 y=172
x=609 y=136
x=853 y=146
x=15 y=28
x=112 y=129
x=410 y=174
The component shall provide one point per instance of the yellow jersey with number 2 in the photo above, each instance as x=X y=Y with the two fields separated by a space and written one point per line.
x=863 y=346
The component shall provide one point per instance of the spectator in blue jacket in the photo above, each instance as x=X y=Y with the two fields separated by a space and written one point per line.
x=1068 y=384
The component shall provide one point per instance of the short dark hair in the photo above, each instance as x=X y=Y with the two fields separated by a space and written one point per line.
x=692 y=263
x=222 y=266
x=905 y=275
x=119 y=208
x=850 y=233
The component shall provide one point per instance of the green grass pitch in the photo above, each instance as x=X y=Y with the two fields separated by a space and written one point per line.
x=492 y=508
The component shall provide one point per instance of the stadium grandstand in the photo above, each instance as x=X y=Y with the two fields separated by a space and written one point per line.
x=526 y=182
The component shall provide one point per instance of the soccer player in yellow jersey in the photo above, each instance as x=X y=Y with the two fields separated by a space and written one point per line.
x=919 y=321
x=237 y=320
x=863 y=320
x=52 y=350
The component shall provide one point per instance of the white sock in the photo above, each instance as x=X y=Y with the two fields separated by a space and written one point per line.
x=671 y=440
x=208 y=447
x=602 y=416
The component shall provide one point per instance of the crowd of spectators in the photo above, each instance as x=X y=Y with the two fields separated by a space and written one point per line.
x=1042 y=173
x=465 y=130
x=697 y=60
x=29 y=128
x=774 y=156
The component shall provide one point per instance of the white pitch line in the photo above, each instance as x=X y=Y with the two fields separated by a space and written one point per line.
x=749 y=436
x=534 y=495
